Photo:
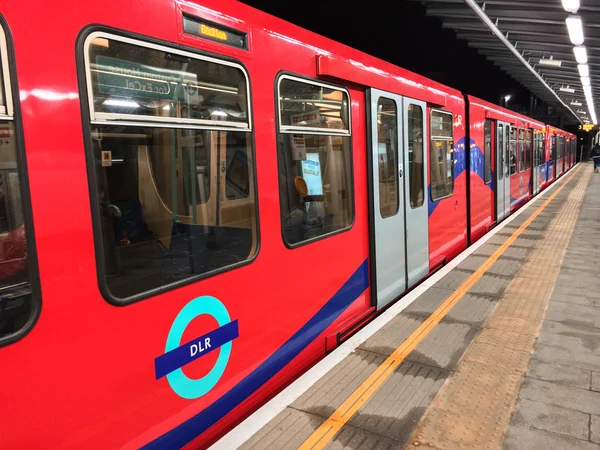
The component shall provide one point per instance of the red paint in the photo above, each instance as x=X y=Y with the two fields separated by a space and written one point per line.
x=84 y=375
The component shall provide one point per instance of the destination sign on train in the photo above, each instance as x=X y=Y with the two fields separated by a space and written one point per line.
x=214 y=32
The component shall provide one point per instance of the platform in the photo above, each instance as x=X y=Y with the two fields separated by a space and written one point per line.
x=500 y=349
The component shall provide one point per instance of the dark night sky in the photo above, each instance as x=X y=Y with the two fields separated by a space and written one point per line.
x=401 y=33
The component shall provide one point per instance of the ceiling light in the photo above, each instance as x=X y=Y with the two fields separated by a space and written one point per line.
x=567 y=89
x=585 y=81
x=584 y=70
x=576 y=103
x=123 y=103
x=580 y=54
x=581 y=111
x=587 y=90
x=575 y=28
x=550 y=62
x=570 y=5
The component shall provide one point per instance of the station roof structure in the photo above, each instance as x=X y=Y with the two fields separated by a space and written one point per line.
x=552 y=47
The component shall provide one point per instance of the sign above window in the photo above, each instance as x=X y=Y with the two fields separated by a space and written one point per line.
x=214 y=32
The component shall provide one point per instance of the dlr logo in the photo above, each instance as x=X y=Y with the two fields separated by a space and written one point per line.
x=198 y=348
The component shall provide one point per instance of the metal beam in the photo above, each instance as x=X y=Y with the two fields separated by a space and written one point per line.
x=494 y=29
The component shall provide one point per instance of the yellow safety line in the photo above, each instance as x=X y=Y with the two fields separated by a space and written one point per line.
x=322 y=435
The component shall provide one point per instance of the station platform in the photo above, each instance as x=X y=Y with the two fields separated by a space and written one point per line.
x=500 y=349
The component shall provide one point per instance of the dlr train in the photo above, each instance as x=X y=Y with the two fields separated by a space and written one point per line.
x=198 y=201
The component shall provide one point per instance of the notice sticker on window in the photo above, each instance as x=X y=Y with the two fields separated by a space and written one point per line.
x=311 y=172
x=106 y=158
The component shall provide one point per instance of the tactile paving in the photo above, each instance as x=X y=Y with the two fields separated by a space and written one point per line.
x=474 y=407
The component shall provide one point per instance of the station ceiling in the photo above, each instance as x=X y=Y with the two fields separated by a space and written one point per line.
x=537 y=31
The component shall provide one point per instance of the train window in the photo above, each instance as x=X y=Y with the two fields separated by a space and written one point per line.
x=387 y=141
x=541 y=148
x=500 y=153
x=521 y=150
x=441 y=167
x=561 y=147
x=513 y=150
x=415 y=155
x=130 y=82
x=172 y=150
x=528 y=149
x=18 y=303
x=315 y=159
x=487 y=151
x=552 y=147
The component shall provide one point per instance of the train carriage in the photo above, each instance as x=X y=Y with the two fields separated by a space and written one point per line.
x=506 y=163
x=199 y=201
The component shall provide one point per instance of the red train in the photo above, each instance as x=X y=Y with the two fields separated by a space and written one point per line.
x=199 y=201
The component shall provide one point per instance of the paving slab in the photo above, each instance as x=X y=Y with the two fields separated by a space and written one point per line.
x=568 y=375
x=394 y=333
x=595 y=429
x=559 y=355
x=428 y=302
x=520 y=438
x=552 y=418
x=560 y=395
x=581 y=343
x=596 y=381
x=490 y=286
x=400 y=402
x=339 y=383
x=287 y=431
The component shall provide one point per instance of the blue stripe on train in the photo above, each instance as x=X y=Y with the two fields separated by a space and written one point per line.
x=477 y=166
x=195 y=426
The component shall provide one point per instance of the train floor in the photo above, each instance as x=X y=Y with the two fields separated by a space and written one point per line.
x=501 y=349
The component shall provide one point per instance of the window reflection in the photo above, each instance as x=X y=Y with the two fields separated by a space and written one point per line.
x=387 y=151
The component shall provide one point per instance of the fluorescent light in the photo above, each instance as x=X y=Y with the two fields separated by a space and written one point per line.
x=550 y=62
x=570 y=5
x=576 y=103
x=581 y=111
x=328 y=105
x=587 y=90
x=567 y=89
x=580 y=54
x=584 y=70
x=218 y=113
x=575 y=28
x=124 y=103
x=166 y=107
x=585 y=81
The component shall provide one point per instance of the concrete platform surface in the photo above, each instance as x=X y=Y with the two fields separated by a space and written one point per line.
x=501 y=352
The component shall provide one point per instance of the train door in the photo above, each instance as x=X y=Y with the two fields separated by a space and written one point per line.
x=416 y=207
x=398 y=204
x=502 y=171
x=535 y=183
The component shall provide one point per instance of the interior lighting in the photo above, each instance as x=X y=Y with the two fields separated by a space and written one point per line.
x=570 y=5
x=550 y=62
x=576 y=103
x=584 y=70
x=124 y=103
x=585 y=81
x=575 y=28
x=580 y=54
x=567 y=89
